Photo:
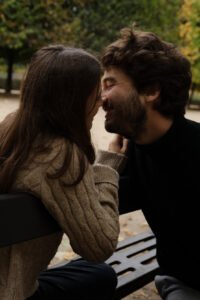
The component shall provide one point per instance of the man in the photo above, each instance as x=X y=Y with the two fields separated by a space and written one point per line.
x=145 y=89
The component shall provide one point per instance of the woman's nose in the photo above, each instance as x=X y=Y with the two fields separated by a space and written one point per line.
x=100 y=102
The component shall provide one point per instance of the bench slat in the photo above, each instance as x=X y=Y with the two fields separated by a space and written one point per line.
x=135 y=263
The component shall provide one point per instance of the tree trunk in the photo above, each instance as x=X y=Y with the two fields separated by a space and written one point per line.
x=193 y=87
x=10 y=61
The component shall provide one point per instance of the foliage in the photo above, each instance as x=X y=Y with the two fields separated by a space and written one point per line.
x=29 y=24
x=190 y=35
x=97 y=23
x=26 y=25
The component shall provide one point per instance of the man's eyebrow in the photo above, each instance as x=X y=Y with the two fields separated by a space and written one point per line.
x=109 y=78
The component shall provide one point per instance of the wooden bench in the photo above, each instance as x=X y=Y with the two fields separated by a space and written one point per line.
x=23 y=217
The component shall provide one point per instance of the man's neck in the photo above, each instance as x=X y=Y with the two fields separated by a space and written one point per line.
x=155 y=127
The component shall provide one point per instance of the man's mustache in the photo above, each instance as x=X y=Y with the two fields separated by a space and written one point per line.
x=107 y=105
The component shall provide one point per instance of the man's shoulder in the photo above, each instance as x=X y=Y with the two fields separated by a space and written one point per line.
x=191 y=138
x=192 y=127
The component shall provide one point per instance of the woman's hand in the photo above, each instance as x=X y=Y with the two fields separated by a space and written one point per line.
x=119 y=144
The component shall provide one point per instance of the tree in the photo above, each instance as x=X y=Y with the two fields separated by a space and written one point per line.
x=26 y=25
x=190 y=35
x=98 y=22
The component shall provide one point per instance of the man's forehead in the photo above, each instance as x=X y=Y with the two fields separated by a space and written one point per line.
x=113 y=74
x=112 y=69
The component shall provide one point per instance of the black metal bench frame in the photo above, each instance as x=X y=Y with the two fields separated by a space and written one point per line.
x=135 y=263
x=23 y=217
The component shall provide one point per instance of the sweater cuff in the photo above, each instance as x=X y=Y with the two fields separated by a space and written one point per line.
x=105 y=174
x=115 y=160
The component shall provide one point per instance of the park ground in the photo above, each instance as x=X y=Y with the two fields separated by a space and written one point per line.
x=132 y=223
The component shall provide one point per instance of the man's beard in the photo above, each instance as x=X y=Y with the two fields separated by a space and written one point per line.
x=129 y=118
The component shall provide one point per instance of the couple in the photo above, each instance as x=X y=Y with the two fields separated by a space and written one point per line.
x=46 y=150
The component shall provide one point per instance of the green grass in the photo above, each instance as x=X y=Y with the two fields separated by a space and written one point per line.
x=17 y=75
x=15 y=82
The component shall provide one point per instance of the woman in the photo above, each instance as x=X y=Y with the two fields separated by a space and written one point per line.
x=46 y=150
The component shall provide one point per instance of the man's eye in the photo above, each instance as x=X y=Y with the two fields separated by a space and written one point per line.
x=109 y=84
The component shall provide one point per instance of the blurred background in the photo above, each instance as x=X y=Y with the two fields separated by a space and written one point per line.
x=26 y=25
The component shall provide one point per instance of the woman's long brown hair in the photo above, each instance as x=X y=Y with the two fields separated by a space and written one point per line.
x=53 y=103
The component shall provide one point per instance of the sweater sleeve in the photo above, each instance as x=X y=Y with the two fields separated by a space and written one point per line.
x=87 y=212
x=115 y=160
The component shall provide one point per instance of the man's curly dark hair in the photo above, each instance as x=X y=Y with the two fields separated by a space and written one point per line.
x=152 y=64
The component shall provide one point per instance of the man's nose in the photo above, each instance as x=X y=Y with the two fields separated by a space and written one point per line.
x=103 y=96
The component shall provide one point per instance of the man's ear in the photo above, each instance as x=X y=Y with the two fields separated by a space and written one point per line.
x=152 y=95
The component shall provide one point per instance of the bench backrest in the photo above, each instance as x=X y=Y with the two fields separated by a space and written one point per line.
x=23 y=217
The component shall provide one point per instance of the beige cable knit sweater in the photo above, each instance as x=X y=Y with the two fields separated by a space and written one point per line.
x=87 y=213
